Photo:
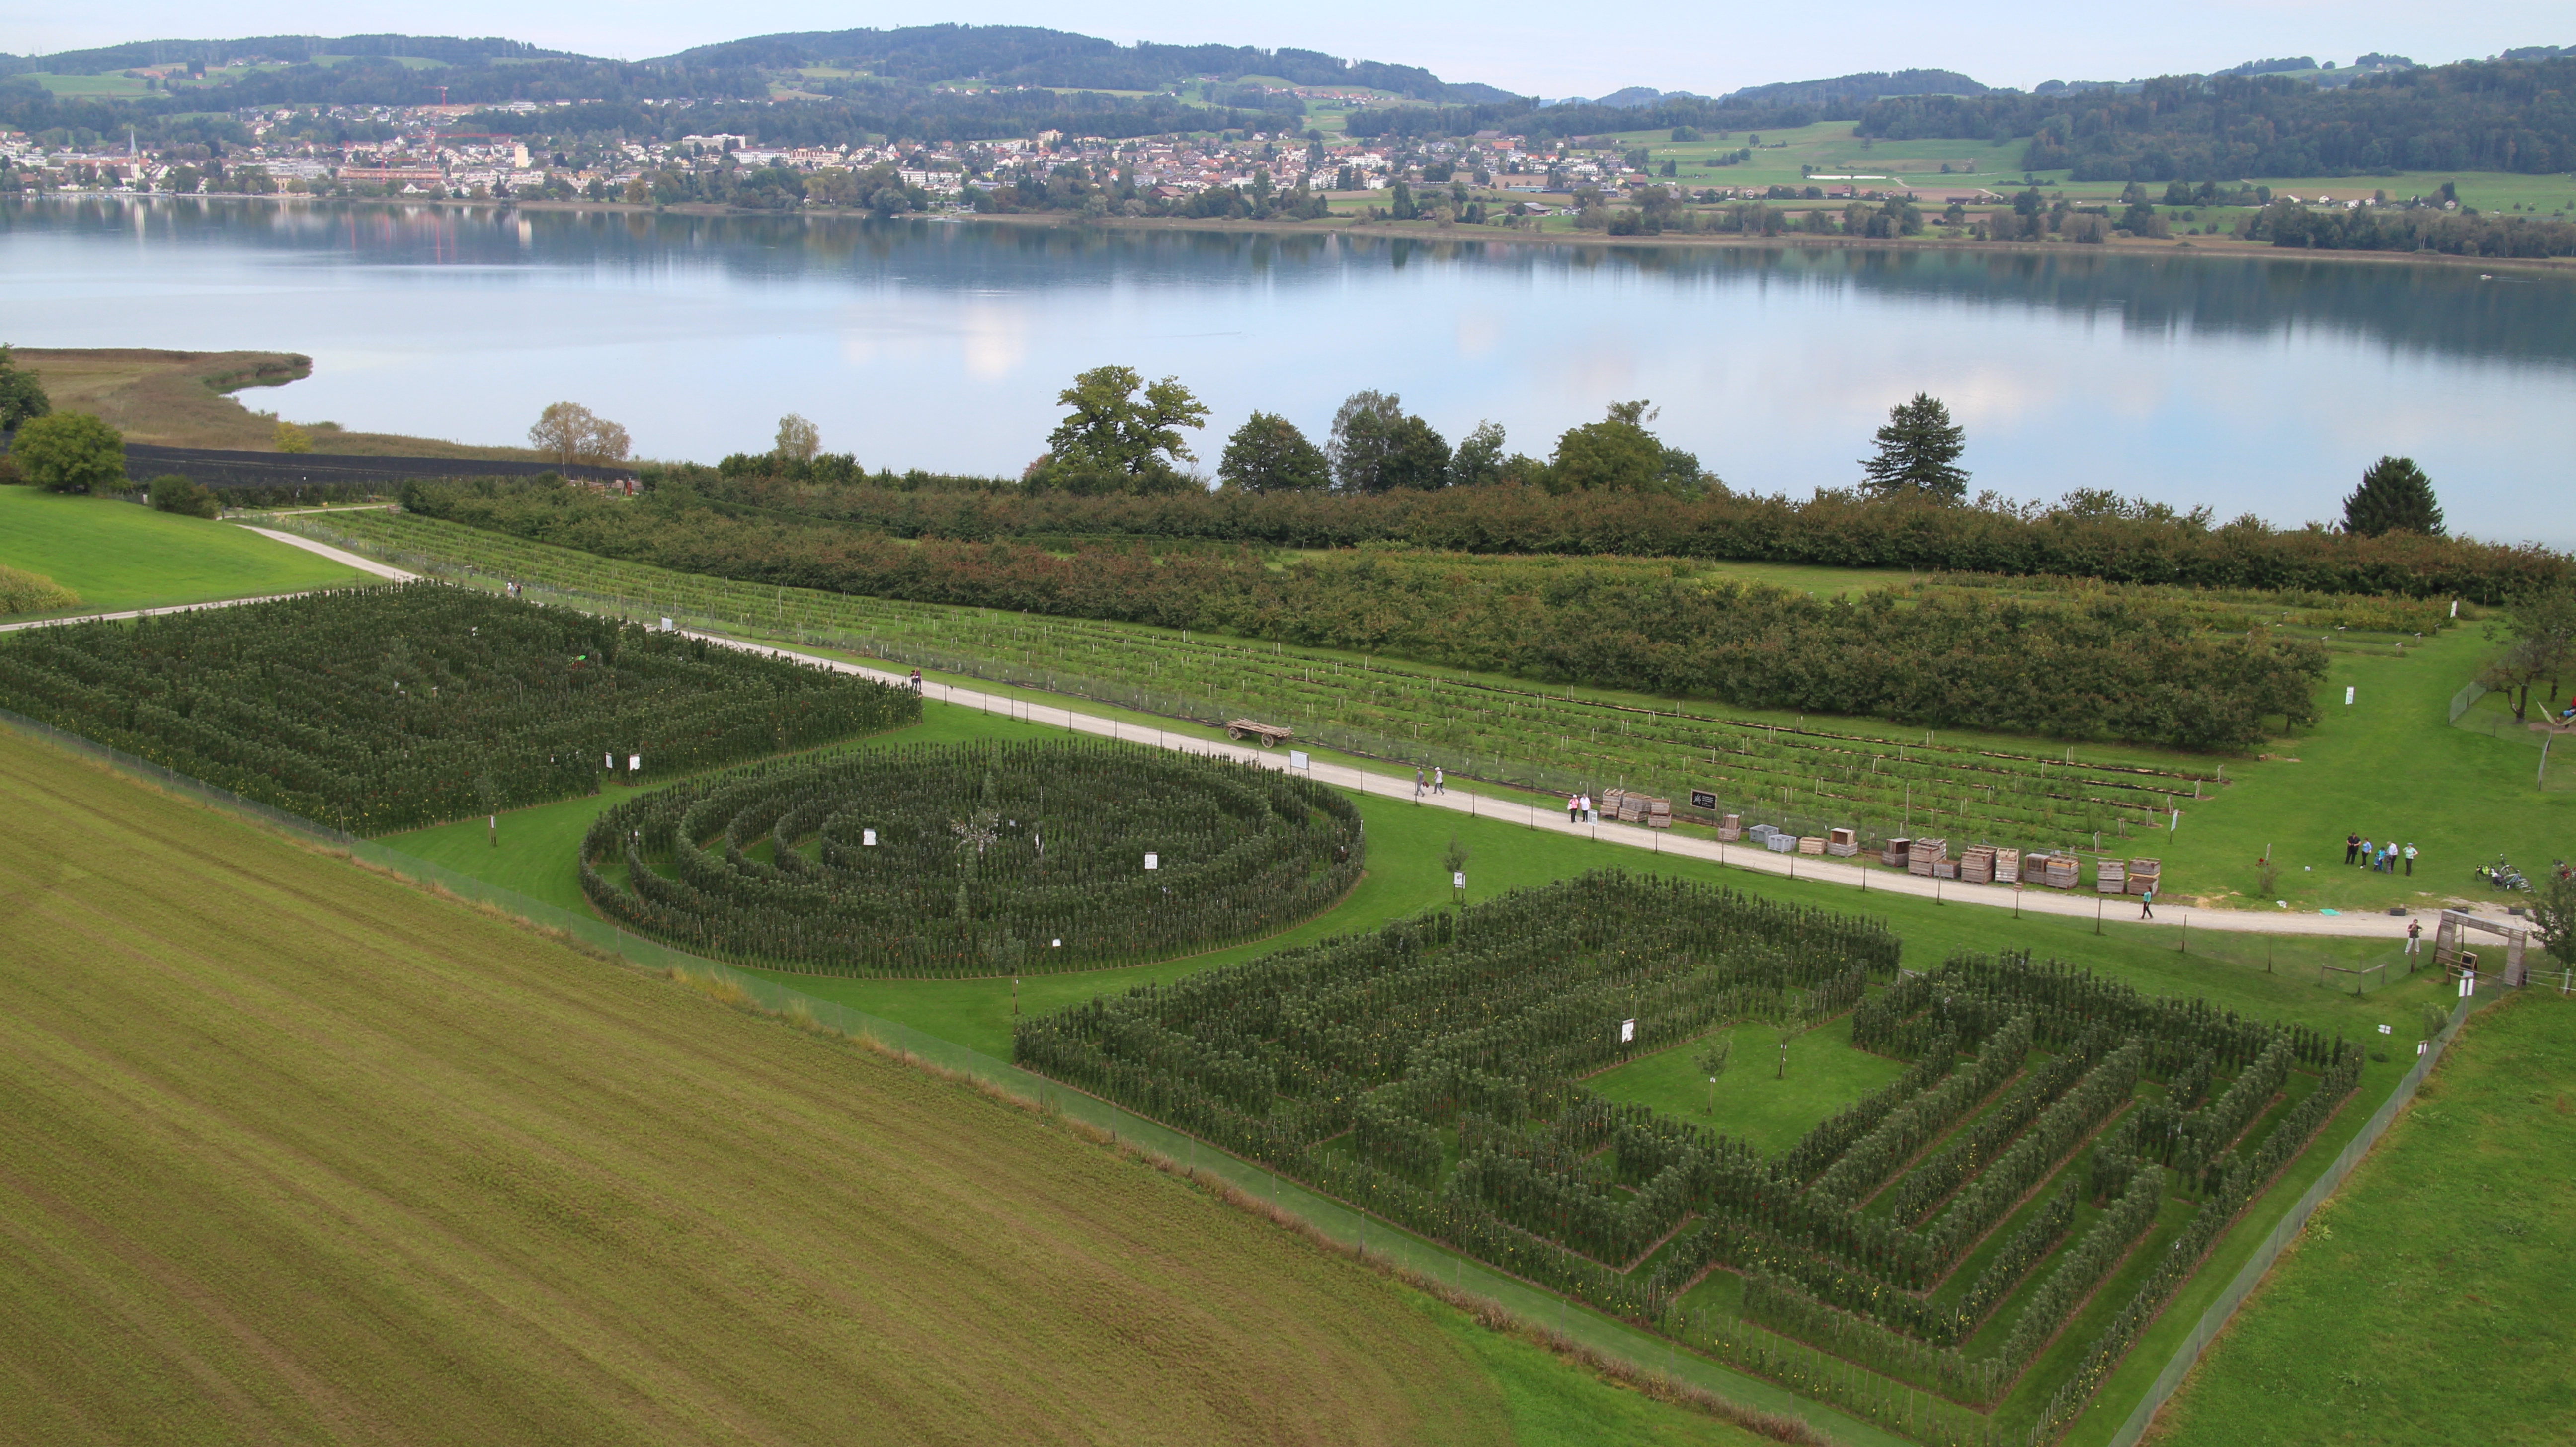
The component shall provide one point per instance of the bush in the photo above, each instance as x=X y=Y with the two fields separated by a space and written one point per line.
x=173 y=493
x=25 y=592
x=70 y=452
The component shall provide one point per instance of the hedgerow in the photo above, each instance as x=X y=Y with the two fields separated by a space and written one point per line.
x=1829 y=529
x=380 y=709
x=2129 y=667
x=977 y=859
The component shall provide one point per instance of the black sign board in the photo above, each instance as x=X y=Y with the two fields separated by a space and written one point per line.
x=1703 y=800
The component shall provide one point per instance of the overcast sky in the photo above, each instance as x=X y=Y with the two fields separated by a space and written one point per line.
x=1532 y=48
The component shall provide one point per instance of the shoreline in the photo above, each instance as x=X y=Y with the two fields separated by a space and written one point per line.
x=2185 y=248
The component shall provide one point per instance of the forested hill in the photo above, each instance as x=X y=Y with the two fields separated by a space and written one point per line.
x=1027 y=55
x=2504 y=115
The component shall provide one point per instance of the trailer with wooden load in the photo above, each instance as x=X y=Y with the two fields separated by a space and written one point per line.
x=1271 y=735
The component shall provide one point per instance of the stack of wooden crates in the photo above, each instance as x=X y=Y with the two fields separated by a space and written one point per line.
x=1931 y=858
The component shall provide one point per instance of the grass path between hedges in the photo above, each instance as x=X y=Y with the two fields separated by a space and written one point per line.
x=293 y=1152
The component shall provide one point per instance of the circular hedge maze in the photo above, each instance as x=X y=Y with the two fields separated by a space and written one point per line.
x=978 y=859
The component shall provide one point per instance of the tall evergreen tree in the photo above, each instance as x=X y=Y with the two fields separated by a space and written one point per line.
x=1918 y=453
x=2394 y=494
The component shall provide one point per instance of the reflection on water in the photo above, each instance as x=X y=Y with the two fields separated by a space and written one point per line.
x=2261 y=382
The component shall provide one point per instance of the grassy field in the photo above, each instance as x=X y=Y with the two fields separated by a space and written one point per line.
x=184 y=399
x=1404 y=878
x=1757 y=1100
x=417 y=1174
x=117 y=555
x=2430 y=1300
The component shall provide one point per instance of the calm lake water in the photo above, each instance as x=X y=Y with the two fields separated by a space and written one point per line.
x=2247 y=384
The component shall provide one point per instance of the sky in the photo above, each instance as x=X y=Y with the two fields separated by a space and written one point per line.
x=1522 y=45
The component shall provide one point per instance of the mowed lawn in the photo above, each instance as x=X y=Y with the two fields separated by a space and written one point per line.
x=2431 y=1301
x=117 y=555
x=291 y=1152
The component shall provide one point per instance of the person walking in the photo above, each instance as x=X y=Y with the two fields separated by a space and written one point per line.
x=2365 y=851
x=2351 y=847
x=2410 y=859
x=1417 y=783
x=1573 y=809
x=2147 y=904
x=1439 y=780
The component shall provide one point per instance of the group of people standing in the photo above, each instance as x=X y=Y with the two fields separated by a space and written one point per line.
x=2383 y=858
x=1578 y=810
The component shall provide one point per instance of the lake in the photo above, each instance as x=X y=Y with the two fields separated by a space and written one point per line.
x=2262 y=384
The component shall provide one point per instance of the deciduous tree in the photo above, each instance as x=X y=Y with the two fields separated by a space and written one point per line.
x=21 y=395
x=570 y=433
x=1113 y=429
x=69 y=452
x=798 y=439
x=1269 y=454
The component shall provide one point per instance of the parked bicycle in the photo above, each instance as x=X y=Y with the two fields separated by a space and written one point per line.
x=2501 y=875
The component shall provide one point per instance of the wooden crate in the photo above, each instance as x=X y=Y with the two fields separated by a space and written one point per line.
x=1811 y=844
x=1731 y=828
x=1977 y=866
x=1945 y=869
x=2057 y=871
x=2110 y=877
x=1896 y=853
x=1842 y=843
x=1659 y=814
x=1922 y=854
x=2143 y=874
x=2007 y=866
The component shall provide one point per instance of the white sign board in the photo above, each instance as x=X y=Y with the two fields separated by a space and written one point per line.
x=1297 y=759
x=1627 y=1031
x=1458 y=879
x=608 y=762
x=2468 y=985
x=2347 y=695
x=2384 y=1030
x=666 y=625
x=1153 y=861
x=634 y=763
x=868 y=838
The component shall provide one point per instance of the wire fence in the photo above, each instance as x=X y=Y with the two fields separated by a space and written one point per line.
x=1617 y=1341
x=2287 y=1229
x=2466 y=698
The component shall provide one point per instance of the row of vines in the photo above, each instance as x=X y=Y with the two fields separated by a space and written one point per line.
x=1806 y=778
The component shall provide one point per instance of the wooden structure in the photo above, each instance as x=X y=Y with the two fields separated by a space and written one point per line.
x=2007 y=866
x=1731 y=828
x=1269 y=734
x=1811 y=844
x=2057 y=871
x=1629 y=807
x=1896 y=854
x=2455 y=960
x=1925 y=856
x=1842 y=843
x=1977 y=866
x=2111 y=877
x=2144 y=874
